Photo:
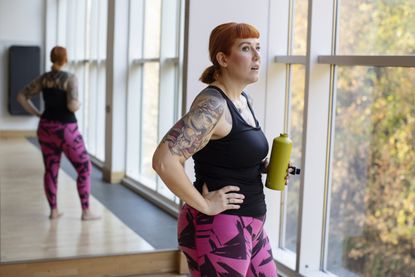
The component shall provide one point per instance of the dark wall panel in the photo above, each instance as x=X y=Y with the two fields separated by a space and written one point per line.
x=24 y=66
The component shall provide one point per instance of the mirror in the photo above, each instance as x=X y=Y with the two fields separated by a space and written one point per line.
x=128 y=224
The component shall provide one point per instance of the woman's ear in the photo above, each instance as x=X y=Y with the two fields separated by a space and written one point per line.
x=222 y=59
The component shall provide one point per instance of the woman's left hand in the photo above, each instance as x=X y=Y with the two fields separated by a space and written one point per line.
x=264 y=166
x=289 y=170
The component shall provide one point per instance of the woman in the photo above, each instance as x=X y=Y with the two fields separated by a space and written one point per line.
x=220 y=228
x=58 y=130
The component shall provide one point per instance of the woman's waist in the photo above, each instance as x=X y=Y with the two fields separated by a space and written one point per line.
x=254 y=198
x=60 y=116
x=250 y=187
x=222 y=175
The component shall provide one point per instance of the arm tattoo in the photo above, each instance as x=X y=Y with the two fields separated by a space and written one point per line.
x=72 y=88
x=33 y=88
x=191 y=132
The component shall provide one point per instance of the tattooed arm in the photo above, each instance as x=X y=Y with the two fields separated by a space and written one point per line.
x=72 y=94
x=30 y=90
x=190 y=134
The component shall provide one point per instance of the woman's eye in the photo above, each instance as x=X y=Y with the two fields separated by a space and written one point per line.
x=245 y=48
x=258 y=48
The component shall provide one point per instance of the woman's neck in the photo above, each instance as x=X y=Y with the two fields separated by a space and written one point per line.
x=232 y=89
x=56 y=67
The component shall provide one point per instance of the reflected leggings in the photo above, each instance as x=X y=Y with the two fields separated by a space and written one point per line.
x=225 y=245
x=55 y=138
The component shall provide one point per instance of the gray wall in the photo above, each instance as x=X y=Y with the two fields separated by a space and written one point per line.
x=22 y=22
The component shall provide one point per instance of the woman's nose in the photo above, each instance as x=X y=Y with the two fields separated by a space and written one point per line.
x=257 y=54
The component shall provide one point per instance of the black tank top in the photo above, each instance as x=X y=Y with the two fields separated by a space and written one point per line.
x=56 y=107
x=55 y=97
x=235 y=160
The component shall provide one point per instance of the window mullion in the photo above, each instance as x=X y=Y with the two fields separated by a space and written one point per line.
x=316 y=112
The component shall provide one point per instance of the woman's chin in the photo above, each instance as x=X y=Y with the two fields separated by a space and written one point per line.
x=253 y=79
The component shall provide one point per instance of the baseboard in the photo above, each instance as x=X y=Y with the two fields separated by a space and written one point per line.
x=113 y=177
x=17 y=134
x=119 y=265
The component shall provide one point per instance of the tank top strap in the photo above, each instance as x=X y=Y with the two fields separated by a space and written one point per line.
x=220 y=91
x=231 y=105
x=251 y=109
x=236 y=116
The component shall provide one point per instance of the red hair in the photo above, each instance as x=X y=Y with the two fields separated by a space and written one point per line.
x=221 y=40
x=58 y=55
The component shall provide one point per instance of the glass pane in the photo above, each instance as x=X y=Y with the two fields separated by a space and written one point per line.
x=300 y=27
x=150 y=113
x=378 y=27
x=92 y=40
x=81 y=27
x=79 y=71
x=372 y=214
x=100 y=113
x=90 y=107
x=296 y=134
x=163 y=190
x=71 y=30
x=102 y=29
x=152 y=29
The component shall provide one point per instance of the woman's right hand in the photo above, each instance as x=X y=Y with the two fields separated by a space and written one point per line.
x=222 y=199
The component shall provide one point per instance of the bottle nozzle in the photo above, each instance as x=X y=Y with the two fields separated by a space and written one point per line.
x=294 y=170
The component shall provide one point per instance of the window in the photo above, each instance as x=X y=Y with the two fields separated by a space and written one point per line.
x=378 y=27
x=355 y=202
x=153 y=88
x=300 y=27
x=82 y=30
x=96 y=71
x=285 y=245
x=373 y=176
x=291 y=197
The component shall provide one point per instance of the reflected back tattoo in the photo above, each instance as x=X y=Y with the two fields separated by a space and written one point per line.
x=191 y=132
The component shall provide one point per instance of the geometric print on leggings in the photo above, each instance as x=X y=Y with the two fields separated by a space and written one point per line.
x=55 y=138
x=225 y=245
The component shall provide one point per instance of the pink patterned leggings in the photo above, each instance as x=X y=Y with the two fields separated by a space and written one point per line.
x=55 y=138
x=225 y=245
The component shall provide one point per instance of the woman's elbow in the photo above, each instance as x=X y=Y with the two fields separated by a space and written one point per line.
x=157 y=162
x=20 y=98
x=73 y=106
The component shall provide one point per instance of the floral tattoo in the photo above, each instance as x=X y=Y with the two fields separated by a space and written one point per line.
x=190 y=133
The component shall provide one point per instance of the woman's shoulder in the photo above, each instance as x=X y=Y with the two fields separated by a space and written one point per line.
x=212 y=90
x=68 y=78
x=68 y=74
x=59 y=74
x=210 y=96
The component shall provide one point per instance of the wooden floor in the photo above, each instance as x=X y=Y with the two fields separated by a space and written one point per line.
x=28 y=234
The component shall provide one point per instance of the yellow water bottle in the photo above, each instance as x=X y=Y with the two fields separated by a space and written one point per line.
x=278 y=164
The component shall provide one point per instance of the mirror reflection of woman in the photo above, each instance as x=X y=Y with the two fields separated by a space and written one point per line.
x=58 y=130
x=220 y=228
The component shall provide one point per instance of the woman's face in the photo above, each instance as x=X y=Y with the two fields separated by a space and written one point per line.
x=244 y=60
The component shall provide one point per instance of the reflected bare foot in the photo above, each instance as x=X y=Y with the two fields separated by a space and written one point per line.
x=55 y=214
x=88 y=215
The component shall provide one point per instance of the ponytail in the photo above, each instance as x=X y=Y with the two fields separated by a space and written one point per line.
x=209 y=75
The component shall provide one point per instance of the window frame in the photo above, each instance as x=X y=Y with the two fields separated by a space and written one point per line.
x=320 y=61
